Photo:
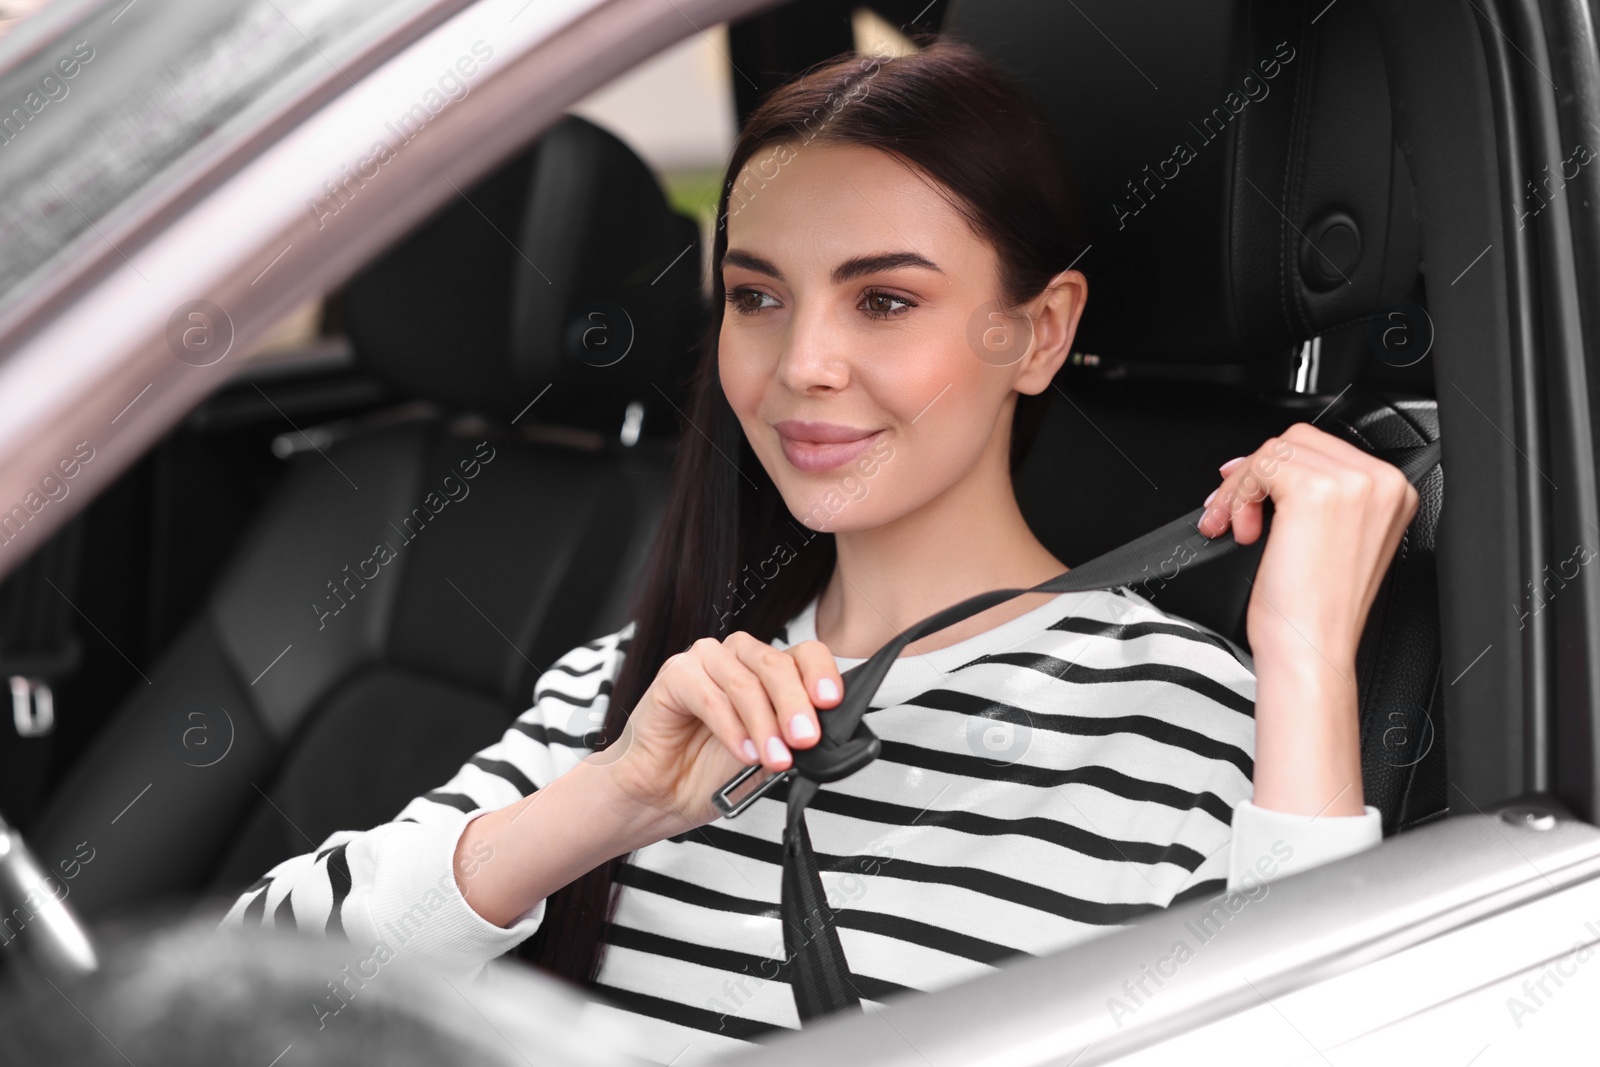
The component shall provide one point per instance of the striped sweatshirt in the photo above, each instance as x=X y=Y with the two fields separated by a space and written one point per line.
x=1039 y=783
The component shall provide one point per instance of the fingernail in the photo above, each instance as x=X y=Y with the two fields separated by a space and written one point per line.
x=750 y=750
x=826 y=690
x=800 y=728
x=1228 y=466
x=777 y=751
x=1208 y=499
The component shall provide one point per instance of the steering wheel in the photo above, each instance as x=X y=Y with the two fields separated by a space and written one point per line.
x=50 y=936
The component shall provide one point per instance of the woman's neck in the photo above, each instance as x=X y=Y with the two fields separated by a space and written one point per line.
x=970 y=540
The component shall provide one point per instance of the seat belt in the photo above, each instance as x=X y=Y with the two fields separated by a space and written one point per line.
x=819 y=974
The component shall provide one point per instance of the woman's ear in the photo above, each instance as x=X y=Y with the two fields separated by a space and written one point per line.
x=1054 y=313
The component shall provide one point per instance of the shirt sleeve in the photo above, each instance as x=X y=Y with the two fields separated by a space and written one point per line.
x=1268 y=844
x=394 y=885
x=1260 y=845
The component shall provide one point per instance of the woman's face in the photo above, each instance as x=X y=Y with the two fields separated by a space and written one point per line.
x=859 y=346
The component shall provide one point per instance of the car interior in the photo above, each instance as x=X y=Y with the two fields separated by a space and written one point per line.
x=1254 y=281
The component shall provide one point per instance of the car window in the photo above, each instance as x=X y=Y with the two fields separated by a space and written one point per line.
x=127 y=97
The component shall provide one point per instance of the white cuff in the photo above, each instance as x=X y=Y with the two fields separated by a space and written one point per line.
x=417 y=910
x=1269 y=844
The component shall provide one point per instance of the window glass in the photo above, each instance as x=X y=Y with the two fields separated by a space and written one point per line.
x=129 y=96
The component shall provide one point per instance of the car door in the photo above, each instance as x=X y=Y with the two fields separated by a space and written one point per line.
x=1505 y=883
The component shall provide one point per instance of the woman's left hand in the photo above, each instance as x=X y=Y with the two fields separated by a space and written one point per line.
x=1338 y=515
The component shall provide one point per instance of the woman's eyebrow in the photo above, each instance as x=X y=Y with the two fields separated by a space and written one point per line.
x=855 y=268
x=735 y=258
x=850 y=268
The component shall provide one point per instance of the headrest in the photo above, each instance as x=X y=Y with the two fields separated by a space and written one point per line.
x=564 y=268
x=1239 y=188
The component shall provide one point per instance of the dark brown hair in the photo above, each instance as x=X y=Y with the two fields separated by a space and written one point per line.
x=952 y=114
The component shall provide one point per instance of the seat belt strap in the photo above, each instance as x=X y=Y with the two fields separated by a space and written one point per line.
x=818 y=972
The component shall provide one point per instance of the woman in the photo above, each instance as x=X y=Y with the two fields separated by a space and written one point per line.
x=847 y=473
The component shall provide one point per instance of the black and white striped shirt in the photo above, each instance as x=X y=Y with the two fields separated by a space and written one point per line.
x=1039 y=782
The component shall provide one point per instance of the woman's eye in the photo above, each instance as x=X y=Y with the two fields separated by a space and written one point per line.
x=883 y=305
x=748 y=301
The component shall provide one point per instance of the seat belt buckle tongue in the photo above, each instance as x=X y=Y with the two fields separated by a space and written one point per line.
x=731 y=809
x=821 y=763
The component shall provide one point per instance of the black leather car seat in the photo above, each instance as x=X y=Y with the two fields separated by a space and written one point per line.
x=328 y=680
x=1251 y=256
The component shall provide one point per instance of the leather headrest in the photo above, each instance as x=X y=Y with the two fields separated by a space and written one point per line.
x=1239 y=188
x=564 y=268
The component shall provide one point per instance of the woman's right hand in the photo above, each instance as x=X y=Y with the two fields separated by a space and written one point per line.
x=713 y=709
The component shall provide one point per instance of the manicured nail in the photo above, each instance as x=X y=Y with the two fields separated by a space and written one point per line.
x=800 y=728
x=750 y=752
x=826 y=690
x=777 y=751
x=1232 y=463
x=1208 y=499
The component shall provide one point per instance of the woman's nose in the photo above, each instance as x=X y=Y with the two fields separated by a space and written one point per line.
x=815 y=352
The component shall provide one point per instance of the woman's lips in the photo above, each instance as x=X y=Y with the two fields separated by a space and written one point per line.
x=814 y=458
